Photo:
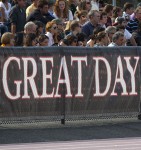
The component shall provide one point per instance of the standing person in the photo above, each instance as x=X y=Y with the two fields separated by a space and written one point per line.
x=88 y=27
x=18 y=16
x=40 y=14
x=61 y=11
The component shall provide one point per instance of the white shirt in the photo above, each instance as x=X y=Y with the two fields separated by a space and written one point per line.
x=70 y=16
x=6 y=10
x=127 y=34
x=112 y=44
x=95 y=5
x=51 y=40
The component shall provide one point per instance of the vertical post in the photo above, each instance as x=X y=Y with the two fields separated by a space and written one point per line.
x=114 y=2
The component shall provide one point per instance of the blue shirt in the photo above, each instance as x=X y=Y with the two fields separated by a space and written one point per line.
x=132 y=25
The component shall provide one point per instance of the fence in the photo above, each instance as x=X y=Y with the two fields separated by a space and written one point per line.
x=69 y=83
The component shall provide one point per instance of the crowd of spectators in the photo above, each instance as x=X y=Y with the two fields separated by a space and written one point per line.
x=89 y=23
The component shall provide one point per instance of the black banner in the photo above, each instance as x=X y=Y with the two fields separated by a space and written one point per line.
x=69 y=82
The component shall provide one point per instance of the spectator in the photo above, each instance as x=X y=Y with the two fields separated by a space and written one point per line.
x=7 y=39
x=82 y=39
x=61 y=10
x=133 y=24
x=128 y=10
x=89 y=26
x=40 y=14
x=84 y=5
x=101 y=39
x=117 y=40
x=43 y=40
x=82 y=16
x=30 y=40
x=117 y=12
x=39 y=28
x=18 y=16
x=103 y=19
x=32 y=7
x=111 y=30
x=72 y=40
x=109 y=11
x=30 y=27
x=51 y=32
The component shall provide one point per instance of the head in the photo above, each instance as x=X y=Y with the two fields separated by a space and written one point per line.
x=61 y=6
x=94 y=17
x=102 y=37
x=128 y=8
x=85 y=5
x=30 y=40
x=7 y=39
x=51 y=27
x=59 y=23
x=82 y=16
x=64 y=42
x=43 y=6
x=121 y=21
x=138 y=13
x=109 y=10
x=82 y=39
x=39 y=27
x=21 y=3
x=117 y=12
x=75 y=26
x=30 y=27
x=110 y=30
x=72 y=40
x=43 y=40
x=103 y=18
x=119 y=39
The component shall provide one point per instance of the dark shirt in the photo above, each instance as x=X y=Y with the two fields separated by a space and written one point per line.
x=88 y=29
x=109 y=22
x=137 y=37
x=132 y=25
x=37 y=16
x=17 y=16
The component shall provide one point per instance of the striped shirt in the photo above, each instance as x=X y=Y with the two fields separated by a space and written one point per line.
x=132 y=25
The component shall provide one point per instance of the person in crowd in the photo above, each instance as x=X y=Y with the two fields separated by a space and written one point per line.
x=30 y=40
x=117 y=12
x=92 y=41
x=137 y=35
x=72 y=40
x=103 y=19
x=19 y=37
x=17 y=17
x=84 y=5
x=51 y=32
x=75 y=28
x=43 y=40
x=94 y=18
x=30 y=27
x=117 y=40
x=7 y=39
x=60 y=29
x=32 y=7
x=72 y=5
x=61 y=11
x=109 y=11
x=128 y=36
x=82 y=16
x=40 y=14
x=101 y=39
x=5 y=7
x=82 y=39
x=128 y=10
x=63 y=42
x=110 y=30
x=40 y=29
x=133 y=24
